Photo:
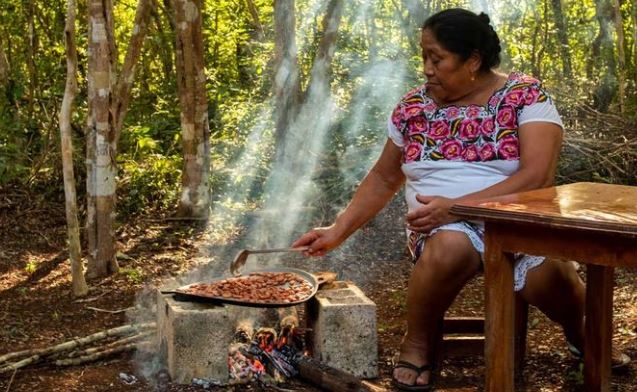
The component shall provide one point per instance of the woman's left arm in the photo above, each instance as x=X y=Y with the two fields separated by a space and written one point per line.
x=540 y=143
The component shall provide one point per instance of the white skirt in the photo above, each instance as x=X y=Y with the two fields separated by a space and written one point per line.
x=475 y=232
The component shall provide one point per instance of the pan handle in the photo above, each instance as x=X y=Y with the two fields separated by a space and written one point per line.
x=325 y=277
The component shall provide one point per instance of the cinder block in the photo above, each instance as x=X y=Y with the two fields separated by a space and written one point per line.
x=344 y=330
x=193 y=338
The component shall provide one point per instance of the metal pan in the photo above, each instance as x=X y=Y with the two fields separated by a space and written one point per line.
x=181 y=293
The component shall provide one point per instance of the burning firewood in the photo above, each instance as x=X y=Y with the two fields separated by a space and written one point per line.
x=332 y=379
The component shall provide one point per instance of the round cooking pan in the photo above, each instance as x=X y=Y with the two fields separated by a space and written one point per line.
x=182 y=294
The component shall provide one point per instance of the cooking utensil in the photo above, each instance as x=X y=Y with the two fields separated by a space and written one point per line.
x=241 y=257
x=315 y=280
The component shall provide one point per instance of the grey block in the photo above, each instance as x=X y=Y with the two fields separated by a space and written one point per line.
x=344 y=330
x=193 y=338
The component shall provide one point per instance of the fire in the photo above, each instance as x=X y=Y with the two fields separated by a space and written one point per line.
x=267 y=356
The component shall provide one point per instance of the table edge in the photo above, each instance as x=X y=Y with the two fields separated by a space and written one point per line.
x=490 y=215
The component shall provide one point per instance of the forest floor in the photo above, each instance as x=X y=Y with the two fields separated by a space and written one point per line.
x=38 y=310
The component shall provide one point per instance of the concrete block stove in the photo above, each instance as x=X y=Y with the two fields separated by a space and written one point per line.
x=340 y=324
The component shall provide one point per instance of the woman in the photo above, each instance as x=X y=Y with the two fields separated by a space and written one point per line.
x=468 y=133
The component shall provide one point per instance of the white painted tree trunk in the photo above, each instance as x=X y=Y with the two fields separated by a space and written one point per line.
x=73 y=228
x=108 y=98
x=195 y=132
x=101 y=167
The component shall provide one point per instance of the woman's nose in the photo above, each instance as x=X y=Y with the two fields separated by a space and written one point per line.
x=428 y=68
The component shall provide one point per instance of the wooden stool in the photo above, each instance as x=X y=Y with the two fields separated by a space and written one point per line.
x=464 y=336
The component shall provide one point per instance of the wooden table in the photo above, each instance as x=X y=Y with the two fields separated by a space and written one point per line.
x=592 y=223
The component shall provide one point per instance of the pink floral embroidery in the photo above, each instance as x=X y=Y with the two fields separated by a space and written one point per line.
x=451 y=149
x=472 y=111
x=532 y=94
x=412 y=152
x=514 y=97
x=487 y=153
x=429 y=106
x=508 y=148
x=507 y=117
x=466 y=133
x=452 y=112
x=470 y=153
x=412 y=110
x=417 y=125
x=438 y=130
x=469 y=129
x=494 y=100
x=395 y=116
x=488 y=126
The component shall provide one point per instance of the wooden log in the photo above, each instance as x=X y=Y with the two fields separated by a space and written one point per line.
x=99 y=355
x=120 y=342
x=37 y=354
x=332 y=379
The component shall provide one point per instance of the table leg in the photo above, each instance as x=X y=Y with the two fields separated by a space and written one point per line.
x=499 y=316
x=599 y=327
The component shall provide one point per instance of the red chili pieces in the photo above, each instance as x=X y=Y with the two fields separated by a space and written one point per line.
x=258 y=287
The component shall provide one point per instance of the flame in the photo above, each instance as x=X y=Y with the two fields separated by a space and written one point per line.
x=282 y=342
x=258 y=367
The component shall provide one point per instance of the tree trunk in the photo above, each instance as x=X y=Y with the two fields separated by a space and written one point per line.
x=256 y=23
x=107 y=100
x=322 y=65
x=4 y=65
x=562 y=37
x=165 y=55
x=287 y=86
x=621 y=55
x=191 y=82
x=603 y=57
x=119 y=105
x=77 y=270
x=101 y=149
x=31 y=53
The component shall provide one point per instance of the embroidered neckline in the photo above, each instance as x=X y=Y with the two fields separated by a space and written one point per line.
x=511 y=79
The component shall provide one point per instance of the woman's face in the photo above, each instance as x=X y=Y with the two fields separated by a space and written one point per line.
x=448 y=77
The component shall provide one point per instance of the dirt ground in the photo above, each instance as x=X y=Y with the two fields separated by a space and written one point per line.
x=38 y=310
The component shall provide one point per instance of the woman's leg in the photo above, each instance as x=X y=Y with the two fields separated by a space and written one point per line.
x=448 y=261
x=556 y=289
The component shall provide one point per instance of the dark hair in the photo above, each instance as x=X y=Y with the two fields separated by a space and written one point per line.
x=463 y=32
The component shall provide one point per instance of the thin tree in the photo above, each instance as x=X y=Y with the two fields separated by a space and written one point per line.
x=73 y=228
x=621 y=54
x=108 y=97
x=195 y=132
x=287 y=78
x=562 y=36
x=602 y=57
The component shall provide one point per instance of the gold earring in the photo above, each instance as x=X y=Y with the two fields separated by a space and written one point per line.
x=473 y=77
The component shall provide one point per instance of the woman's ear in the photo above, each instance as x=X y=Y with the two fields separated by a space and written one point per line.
x=474 y=62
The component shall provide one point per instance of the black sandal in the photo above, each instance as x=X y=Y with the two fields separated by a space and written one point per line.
x=418 y=370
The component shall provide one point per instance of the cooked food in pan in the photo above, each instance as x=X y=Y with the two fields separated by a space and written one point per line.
x=264 y=287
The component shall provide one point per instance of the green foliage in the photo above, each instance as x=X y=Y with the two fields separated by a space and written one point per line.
x=376 y=58
x=149 y=185
x=133 y=275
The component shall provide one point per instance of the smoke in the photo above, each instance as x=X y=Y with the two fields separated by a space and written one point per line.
x=342 y=120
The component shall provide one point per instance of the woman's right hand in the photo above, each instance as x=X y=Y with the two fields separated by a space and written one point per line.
x=320 y=240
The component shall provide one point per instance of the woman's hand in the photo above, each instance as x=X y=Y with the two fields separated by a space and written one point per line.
x=320 y=240
x=433 y=213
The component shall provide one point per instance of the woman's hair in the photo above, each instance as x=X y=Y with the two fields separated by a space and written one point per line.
x=463 y=32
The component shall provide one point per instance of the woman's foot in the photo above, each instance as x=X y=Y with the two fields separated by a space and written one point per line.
x=413 y=371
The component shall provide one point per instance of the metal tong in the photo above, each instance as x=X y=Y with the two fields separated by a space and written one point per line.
x=241 y=257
